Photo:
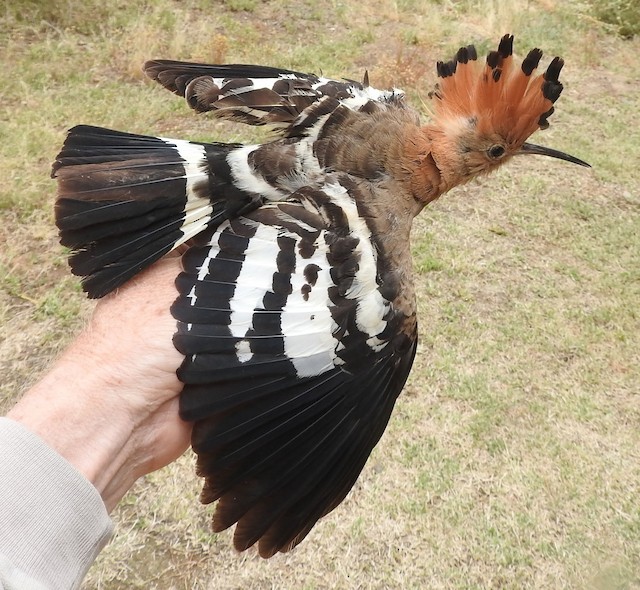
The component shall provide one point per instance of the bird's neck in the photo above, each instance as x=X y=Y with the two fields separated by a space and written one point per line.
x=387 y=144
x=391 y=144
x=425 y=164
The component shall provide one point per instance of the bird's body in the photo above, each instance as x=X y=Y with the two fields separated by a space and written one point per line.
x=296 y=309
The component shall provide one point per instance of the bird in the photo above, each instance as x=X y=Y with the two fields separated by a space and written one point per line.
x=296 y=307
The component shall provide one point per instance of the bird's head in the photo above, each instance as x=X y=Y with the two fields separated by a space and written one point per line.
x=484 y=113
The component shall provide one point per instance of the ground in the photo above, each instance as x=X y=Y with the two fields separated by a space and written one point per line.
x=512 y=459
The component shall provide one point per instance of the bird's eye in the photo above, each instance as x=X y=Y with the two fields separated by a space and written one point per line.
x=495 y=152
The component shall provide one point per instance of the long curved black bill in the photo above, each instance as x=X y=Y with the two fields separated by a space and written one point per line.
x=540 y=150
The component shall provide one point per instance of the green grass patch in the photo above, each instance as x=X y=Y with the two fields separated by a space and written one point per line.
x=623 y=15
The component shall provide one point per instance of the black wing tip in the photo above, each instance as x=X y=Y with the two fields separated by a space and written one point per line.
x=154 y=67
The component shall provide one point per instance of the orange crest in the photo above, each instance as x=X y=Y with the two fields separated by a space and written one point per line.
x=500 y=96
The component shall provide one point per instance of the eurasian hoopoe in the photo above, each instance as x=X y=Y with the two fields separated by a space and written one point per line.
x=296 y=309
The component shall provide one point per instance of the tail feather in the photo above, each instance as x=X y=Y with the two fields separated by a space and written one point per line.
x=111 y=249
x=101 y=278
x=82 y=225
x=125 y=200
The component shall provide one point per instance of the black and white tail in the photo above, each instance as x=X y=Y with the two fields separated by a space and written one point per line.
x=125 y=200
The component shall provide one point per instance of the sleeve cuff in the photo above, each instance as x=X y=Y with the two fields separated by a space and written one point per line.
x=53 y=521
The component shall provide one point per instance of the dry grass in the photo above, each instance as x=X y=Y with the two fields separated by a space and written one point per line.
x=512 y=458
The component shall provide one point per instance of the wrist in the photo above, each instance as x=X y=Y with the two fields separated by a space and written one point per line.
x=110 y=404
x=91 y=434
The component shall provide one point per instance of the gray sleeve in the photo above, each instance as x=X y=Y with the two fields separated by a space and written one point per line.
x=53 y=522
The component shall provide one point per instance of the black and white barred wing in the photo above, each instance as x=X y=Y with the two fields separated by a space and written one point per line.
x=260 y=95
x=294 y=360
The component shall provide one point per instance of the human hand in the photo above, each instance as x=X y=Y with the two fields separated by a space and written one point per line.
x=109 y=405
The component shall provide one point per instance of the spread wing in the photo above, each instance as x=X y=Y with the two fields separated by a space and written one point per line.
x=295 y=355
x=260 y=95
